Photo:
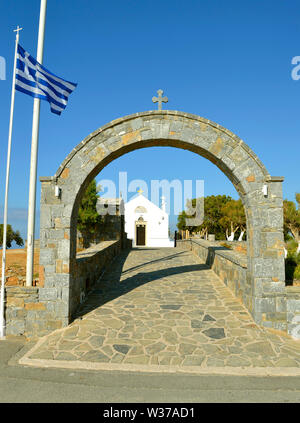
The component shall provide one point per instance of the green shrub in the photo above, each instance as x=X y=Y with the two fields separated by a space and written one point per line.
x=297 y=272
x=292 y=246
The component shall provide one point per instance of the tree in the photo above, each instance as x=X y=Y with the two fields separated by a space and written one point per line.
x=213 y=213
x=292 y=219
x=11 y=236
x=234 y=217
x=181 y=221
x=88 y=217
x=213 y=206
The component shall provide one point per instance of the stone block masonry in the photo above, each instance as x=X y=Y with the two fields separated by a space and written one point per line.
x=279 y=310
x=265 y=246
x=89 y=266
x=230 y=266
x=293 y=310
x=36 y=311
x=23 y=311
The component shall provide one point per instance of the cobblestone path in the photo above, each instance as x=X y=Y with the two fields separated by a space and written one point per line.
x=162 y=307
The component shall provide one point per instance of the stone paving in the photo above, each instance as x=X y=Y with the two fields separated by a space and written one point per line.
x=162 y=307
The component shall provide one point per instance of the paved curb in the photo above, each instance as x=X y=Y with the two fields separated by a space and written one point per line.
x=234 y=371
x=87 y=365
x=27 y=347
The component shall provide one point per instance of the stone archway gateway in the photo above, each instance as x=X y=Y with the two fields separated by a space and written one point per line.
x=264 y=293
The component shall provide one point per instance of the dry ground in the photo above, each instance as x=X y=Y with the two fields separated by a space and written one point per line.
x=16 y=266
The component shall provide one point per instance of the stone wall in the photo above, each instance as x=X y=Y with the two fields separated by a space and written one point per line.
x=229 y=265
x=293 y=310
x=260 y=193
x=90 y=264
x=36 y=311
x=22 y=310
x=279 y=310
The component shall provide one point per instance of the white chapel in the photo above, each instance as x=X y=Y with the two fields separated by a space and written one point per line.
x=147 y=224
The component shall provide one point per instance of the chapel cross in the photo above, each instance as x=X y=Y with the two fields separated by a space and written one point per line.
x=17 y=30
x=160 y=99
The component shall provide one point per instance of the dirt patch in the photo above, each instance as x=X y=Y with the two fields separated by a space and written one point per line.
x=16 y=267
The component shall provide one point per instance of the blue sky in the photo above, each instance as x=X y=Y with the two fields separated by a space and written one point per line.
x=228 y=61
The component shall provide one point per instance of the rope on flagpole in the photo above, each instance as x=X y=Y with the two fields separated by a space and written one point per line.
x=3 y=277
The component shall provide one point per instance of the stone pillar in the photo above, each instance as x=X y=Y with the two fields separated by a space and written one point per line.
x=54 y=254
x=266 y=266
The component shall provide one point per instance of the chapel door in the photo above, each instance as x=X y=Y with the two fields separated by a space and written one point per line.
x=141 y=235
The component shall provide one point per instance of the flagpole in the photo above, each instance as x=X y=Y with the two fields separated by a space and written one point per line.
x=12 y=106
x=34 y=153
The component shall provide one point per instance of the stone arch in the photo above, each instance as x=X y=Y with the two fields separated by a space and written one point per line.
x=176 y=129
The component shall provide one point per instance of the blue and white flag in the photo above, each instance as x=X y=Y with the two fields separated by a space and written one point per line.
x=35 y=80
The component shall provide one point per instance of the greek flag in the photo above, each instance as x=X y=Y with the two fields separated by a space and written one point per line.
x=35 y=80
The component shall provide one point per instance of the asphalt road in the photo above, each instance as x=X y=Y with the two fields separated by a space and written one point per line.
x=20 y=384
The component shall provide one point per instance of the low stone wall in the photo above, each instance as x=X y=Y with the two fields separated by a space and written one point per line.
x=22 y=310
x=89 y=265
x=280 y=311
x=230 y=266
x=293 y=310
x=35 y=311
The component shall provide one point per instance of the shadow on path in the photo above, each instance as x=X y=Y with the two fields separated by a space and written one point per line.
x=172 y=256
x=110 y=286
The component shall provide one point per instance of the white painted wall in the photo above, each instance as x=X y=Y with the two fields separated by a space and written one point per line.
x=157 y=222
